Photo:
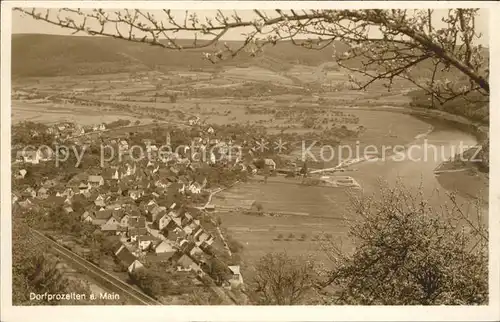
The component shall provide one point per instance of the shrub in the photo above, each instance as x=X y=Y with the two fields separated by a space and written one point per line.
x=234 y=245
x=411 y=254
x=281 y=280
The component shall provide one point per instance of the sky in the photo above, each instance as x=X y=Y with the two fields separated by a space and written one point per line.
x=22 y=24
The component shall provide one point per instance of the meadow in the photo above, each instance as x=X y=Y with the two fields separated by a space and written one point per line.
x=50 y=113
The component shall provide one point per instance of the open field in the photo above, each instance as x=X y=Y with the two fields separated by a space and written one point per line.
x=54 y=113
x=323 y=201
x=259 y=235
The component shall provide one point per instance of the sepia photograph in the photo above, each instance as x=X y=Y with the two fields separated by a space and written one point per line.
x=219 y=155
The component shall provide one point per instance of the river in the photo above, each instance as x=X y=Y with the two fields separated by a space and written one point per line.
x=426 y=153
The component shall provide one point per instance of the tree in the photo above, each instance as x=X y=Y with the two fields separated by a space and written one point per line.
x=282 y=280
x=34 y=271
x=147 y=282
x=304 y=170
x=411 y=44
x=234 y=245
x=218 y=270
x=407 y=253
x=260 y=164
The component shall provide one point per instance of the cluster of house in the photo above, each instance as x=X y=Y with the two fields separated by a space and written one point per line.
x=68 y=129
x=151 y=231
x=193 y=120
x=125 y=200
x=33 y=156
x=137 y=200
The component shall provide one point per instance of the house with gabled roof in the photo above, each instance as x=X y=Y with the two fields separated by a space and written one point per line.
x=195 y=252
x=195 y=224
x=68 y=192
x=100 y=201
x=83 y=187
x=151 y=148
x=165 y=246
x=159 y=257
x=33 y=157
x=134 y=212
x=210 y=240
x=174 y=234
x=130 y=170
x=124 y=220
x=15 y=197
x=176 y=222
x=145 y=242
x=87 y=216
x=109 y=227
x=95 y=181
x=101 y=217
x=252 y=168
x=186 y=219
x=42 y=193
x=137 y=222
x=201 y=237
x=135 y=266
x=123 y=145
x=78 y=131
x=135 y=194
x=21 y=174
x=157 y=212
x=25 y=203
x=193 y=120
x=186 y=264
x=270 y=164
x=195 y=188
x=29 y=193
x=151 y=203
x=147 y=142
x=117 y=174
x=236 y=277
x=163 y=221
x=128 y=259
x=118 y=214
x=174 y=213
x=188 y=230
x=114 y=220
x=134 y=233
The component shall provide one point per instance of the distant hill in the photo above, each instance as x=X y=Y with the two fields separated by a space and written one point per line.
x=38 y=55
x=53 y=55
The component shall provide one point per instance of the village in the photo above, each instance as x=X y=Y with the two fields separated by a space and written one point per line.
x=155 y=209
